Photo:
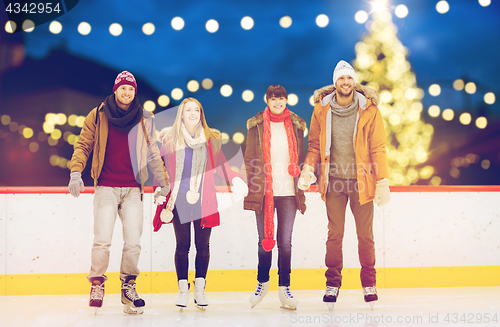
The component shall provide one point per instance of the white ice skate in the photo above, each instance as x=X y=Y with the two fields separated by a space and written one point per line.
x=259 y=293
x=330 y=296
x=183 y=298
x=132 y=303
x=286 y=298
x=96 y=294
x=199 y=293
x=370 y=294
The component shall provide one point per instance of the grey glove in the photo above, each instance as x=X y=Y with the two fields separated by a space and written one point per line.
x=75 y=184
x=160 y=194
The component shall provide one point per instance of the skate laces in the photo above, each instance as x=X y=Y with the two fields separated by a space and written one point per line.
x=332 y=291
x=287 y=292
x=369 y=290
x=259 y=289
x=130 y=292
x=97 y=292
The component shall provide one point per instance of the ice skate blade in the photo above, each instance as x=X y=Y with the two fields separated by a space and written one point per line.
x=201 y=307
x=331 y=306
x=131 y=310
x=286 y=307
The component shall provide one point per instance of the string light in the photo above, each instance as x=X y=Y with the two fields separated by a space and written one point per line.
x=322 y=20
x=442 y=7
x=148 y=28
x=247 y=23
x=84 y=28
x=286 y=21
x=177 y=23
x=115 y=29
x=55 y=27
x=28 y=26
x=212 y=26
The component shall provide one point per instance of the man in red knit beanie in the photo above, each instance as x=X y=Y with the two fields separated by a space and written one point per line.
x=123 y=137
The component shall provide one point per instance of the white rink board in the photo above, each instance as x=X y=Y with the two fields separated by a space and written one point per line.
x=53 y=233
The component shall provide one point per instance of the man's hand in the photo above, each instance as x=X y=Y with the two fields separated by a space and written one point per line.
x=75 y=183
x=160 y=195
x=382 y=192
x=307 y=177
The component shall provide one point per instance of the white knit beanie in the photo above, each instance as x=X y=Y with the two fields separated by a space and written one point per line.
x=343 y=68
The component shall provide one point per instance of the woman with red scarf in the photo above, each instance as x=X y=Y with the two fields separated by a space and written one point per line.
x=191 y=152
x=274 y=149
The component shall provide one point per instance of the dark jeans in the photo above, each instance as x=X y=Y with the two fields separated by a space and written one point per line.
x=339 y=191
x=184 y=212
x=286 y=208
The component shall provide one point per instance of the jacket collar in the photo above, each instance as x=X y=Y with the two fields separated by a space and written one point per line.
x=362 y=100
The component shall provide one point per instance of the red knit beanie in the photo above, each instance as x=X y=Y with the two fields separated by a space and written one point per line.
x=125 y=78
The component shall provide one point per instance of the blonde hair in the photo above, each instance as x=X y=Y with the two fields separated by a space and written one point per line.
x=175 y=135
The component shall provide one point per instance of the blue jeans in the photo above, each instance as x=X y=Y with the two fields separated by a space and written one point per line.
x=286 y=208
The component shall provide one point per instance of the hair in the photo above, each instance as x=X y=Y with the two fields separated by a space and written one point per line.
x=276 y=91
x=175 y=136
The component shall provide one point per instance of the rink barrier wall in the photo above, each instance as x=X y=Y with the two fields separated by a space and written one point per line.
x=427 y=236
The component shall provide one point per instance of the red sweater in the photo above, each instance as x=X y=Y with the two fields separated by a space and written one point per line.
x=117 y=169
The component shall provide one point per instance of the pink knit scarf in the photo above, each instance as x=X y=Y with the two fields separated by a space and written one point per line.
x=268 y=242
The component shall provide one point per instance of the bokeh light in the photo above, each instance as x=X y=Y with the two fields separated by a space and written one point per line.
x=163 y=100
x=238 y=138
x=115 y=29
x=148 y=28
x=247 y=23
x=177 y=94
x=55 y=27
x=212 y=26
x=193 y=86
x=226 y=90
x=285 y=21
x=322 y=20
x=207 y=84
x=442 y=7
x=84 y=28
x=481 y=122
x=247 y=96
x=177 y=23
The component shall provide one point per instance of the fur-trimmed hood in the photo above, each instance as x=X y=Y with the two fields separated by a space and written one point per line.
x=368 y=92
x=259 y=118
x=166 y=130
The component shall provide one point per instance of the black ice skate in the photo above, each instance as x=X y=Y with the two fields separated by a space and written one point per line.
x=96 y=293
x=330 y=296
x=132 y=303
x=370 y=294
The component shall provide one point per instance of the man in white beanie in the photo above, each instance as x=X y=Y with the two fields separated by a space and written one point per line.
x=122 y=136
x=347 y=149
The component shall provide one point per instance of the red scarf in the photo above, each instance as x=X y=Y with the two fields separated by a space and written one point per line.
x=268 y=242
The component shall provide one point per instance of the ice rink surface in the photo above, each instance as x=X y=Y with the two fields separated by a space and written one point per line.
x=471 y=306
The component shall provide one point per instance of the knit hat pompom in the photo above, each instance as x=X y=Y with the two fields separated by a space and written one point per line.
x=293 y=170
x=343 y=68
x=125 y=78
x=268 y=244
x=166 y=216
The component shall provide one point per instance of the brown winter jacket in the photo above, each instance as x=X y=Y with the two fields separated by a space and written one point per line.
x=94 y=136
x=369 y=141
x=254 y=162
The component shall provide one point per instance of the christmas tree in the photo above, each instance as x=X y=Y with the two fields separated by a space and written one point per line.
x=381 y=63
